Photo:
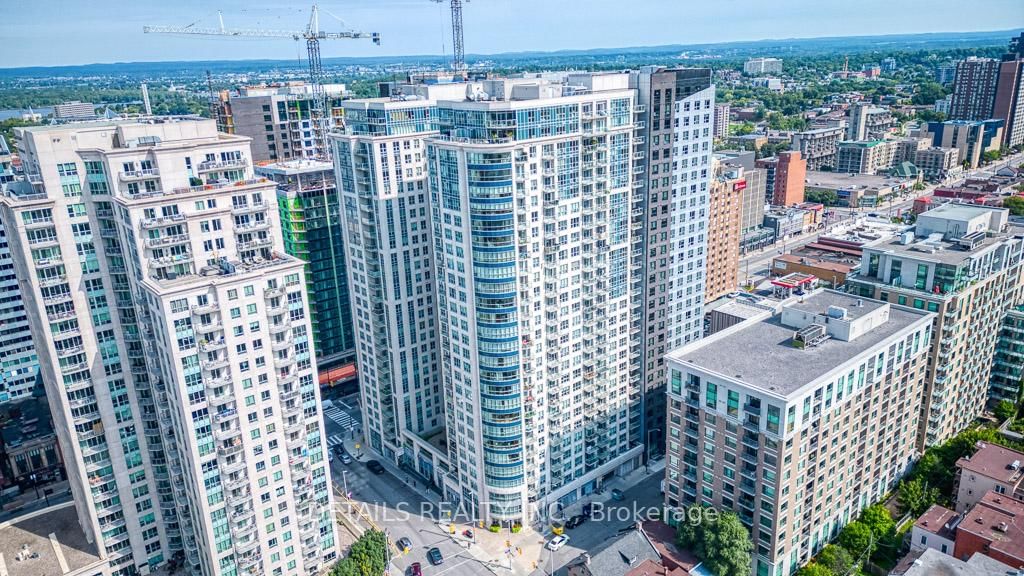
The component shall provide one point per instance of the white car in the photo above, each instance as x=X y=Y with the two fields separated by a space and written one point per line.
x=557 y=542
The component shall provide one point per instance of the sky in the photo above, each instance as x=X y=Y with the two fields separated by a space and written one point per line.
x=70 y=32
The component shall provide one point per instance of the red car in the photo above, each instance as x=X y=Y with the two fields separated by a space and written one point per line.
x=415 y=570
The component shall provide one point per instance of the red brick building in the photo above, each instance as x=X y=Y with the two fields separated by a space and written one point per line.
x=995 y=528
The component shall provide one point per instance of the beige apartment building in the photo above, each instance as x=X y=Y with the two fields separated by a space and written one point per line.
x=796 y=419
x=725 y=213
x=962 y=262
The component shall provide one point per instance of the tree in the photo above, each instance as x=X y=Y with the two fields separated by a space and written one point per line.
x=1005 y=409
x=727 y=547
x=815 y=569
x=718 y=539
x=915 y=496
x=368 y=556
x=826 y=197
x=857 y=538
x=835 y=558
x=1015 y=204
x=878 y=519
x=928 y=93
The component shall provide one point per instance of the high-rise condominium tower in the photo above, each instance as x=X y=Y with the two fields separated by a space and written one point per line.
x=507 y=209
x=310 y=209
x=175 y=345
x=675 y=142
x=18 y=364
x=531 y=196
x=381 y=172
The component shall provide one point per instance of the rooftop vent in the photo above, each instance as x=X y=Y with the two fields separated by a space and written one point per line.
x=810 y=336
x=837 y=312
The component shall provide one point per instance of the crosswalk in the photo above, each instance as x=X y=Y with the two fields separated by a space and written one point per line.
x=334 y=440
x=340 y=417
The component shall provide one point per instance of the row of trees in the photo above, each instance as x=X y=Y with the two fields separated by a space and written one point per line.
x=873 y=535
x=368 y=556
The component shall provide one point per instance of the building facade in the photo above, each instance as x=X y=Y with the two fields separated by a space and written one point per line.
x=381 y=167
x=868 y=122
x=1008 y=363
x=972 y=139
x=277 y=118
x=962 y=262
x=785 y=177
x=674 y=137
x=722 y=112
x=531 y=201
x=765 y=414
x=310 y=211
x=937 y=164
x=725 y=208
x=18 y=362
x=974 y=89
x=179 y=368
x=819 y=147
x=867 y=157
x=760 y=66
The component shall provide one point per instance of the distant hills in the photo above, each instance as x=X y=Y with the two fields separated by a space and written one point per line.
x=769 y=47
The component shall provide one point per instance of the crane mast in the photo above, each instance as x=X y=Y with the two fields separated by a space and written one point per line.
x=320 y=117
x=458 y=48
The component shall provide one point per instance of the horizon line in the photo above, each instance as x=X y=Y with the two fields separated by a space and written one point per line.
x=531 y=52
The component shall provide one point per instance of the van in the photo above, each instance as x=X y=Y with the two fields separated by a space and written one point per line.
x=327 y=404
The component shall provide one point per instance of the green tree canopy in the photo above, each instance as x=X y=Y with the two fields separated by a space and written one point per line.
x=815 y=569
x=1015 y=204
x=916 y=497
x=718 y=539
x=368 y=556
x=857 y=538
x=878 y=519
x=835 y=558
x=1005 y=409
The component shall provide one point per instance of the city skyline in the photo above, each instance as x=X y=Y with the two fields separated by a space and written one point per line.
x=416 y=28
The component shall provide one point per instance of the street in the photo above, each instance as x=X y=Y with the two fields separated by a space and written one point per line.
x=386 y=501
x=393 y=506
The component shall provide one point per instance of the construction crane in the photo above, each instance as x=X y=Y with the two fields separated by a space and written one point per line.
x=320 y=117
x=458 y=50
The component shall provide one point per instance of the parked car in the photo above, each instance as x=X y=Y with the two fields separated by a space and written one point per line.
x=435 y=557
x=575 y=521
x=374 y=466
x=557 y=542
x=403 y=544
x=617 y=494
x=330 y=457
x=415 y=569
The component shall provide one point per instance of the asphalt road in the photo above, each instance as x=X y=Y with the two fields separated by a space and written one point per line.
x=398 y=509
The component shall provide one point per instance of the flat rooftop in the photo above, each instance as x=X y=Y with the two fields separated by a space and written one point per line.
x=760 y=353
x=843 y=181
x=943 y=251
x=49 y=543
x=290 y=167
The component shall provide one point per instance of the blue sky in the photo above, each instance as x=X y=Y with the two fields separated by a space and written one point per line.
x=66 y=32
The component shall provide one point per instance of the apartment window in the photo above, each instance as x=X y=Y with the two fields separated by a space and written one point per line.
x=922 y=277
x=733 y=403
x=711 y=395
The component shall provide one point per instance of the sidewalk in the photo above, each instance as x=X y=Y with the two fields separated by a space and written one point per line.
x=623 y=483
x=361 y=454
